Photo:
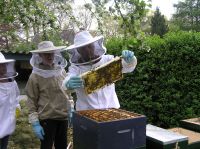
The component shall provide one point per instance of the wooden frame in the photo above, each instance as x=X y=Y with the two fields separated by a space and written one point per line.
x=105 y=74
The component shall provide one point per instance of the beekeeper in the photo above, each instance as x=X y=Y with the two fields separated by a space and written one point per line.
x=49 y=106
x=9 y=99
x=87 y=53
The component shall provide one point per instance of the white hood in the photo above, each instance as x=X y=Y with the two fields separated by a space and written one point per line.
x=74 y=56
x=59 y=64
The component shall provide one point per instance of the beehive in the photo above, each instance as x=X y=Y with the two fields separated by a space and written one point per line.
x=192 y=124
x=108 y=129
x=193 y=137
x=159 y=138
x=106 y=74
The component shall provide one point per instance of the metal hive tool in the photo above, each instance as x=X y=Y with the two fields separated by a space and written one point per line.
x=104 y=75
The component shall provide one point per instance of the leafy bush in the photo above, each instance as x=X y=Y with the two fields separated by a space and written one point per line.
x=165 y=85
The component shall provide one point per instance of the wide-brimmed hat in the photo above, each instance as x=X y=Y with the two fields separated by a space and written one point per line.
x=47 y=47
x=3 y=60
x=83 y=38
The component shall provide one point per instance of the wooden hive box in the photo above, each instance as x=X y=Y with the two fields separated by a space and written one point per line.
x=193 y=137
x=109 y=129
x=159 y=138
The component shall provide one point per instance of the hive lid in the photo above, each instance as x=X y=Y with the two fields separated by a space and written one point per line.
x=193 y=120
x=163 y=136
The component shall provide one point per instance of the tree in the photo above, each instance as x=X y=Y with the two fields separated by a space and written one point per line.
x=32 y=18
x=27 y=14
x=111 y=27
x=126 y=15
x=146 y=22
x=158 y=24
x=187 y=15
x=131 y=18
x=84 y=17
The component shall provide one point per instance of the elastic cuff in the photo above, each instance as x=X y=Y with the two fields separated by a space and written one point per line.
x=33 y=117
x=36 y=123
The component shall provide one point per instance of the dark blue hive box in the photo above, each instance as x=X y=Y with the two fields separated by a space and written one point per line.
x=108 y=132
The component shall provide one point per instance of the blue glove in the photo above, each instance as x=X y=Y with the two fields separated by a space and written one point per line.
x=38 y=130
x=74 y=83
x=70 y=116
x=128 y=56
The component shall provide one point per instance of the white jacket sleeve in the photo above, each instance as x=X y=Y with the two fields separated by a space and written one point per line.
x=17 y=95
x=129 y=67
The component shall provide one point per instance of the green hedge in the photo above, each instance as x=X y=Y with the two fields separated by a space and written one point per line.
x=166 y=82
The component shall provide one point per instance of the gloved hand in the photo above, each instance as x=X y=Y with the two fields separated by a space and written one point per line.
x=70 y=116
x=128 y=56
x=38 y=130
x=70 y=112
x=74 y=83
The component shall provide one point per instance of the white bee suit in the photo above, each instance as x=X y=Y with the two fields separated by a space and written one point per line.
x=105 y=97
x=102 y=97
x=9 y=93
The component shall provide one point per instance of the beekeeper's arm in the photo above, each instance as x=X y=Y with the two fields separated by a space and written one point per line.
x=18 y=107
x=73 y=80
x=32 y=92
x=129 y=61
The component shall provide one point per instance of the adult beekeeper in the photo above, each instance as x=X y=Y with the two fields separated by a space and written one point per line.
x=87 y=53
x=9 y=99
x=49 y=106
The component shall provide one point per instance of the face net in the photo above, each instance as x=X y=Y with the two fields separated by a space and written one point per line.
x=7 y=70
x=99 y=50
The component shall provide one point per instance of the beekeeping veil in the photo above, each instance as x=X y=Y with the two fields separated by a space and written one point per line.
x=82 y=39
x=7 y=68
x=59 y=62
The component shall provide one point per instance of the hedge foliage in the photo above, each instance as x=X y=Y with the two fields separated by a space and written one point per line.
x=165 y=85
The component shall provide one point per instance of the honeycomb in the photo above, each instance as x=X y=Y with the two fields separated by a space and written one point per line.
x=105 y=115
x=103 y=75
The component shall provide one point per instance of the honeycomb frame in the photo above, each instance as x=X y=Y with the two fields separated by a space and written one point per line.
x=103 y=75
x=108 y=115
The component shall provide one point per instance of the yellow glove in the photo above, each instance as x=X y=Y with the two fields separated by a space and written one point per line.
x=17 y=112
